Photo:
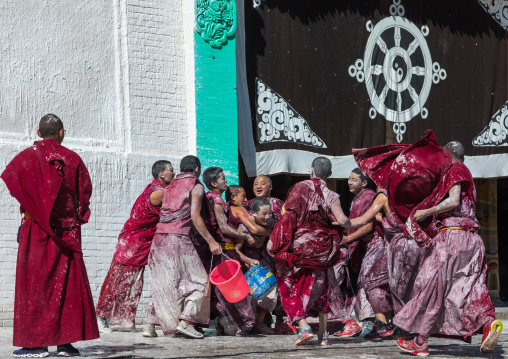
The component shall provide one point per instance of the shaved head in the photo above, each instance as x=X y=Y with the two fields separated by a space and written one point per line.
x=266 y=178
x=50 y=125
x=322 y=167
x=456 y=149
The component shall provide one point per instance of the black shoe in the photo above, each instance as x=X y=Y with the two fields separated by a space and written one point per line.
x=67 y=350
x=400 y=333
x=39 y=352
x=381 y=331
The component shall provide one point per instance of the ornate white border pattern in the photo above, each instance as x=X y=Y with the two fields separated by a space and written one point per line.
x=498 y=9
x=278 y=121
x=495 y=134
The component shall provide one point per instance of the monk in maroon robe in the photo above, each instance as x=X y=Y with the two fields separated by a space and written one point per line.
x=450 y=297
x=123 y=284
x=306 y=248
x=53 y=303
x=179 y=281
x=375 y=278
x=263 y=188
x=243 y=313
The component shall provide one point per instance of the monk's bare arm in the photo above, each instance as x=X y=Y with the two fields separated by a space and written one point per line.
x=243 y=257
x=448 y=204
x=196 y=195
x=226 y=229
x=339 y=214
x=375 y=208
x=156 y=197
x=249 y=223
x=358 y=234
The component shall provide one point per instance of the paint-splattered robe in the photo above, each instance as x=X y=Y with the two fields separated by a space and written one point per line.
x=123 y=285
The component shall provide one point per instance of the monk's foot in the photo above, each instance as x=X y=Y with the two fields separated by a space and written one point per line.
x=67 y=350
x=411 y=346
x=285 y=328
x=381 y=331
x=491 y=332
x=306 y=336
x=149 y=331
x=102 y=323
x=39 y=352
x=224 y=325
x=188 y=330
x=367 y=328
x=264 y=329
x=351 y=328
x=322 y=339
x=401 y=333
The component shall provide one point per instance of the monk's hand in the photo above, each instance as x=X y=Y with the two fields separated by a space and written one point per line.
x=215 y=248
x=379 y=217
x=253 y=262
x=250 y=239
x=269 y=246
x=420 y=215
x=344 y=241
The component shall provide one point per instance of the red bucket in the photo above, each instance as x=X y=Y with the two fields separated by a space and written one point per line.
x=228 y=277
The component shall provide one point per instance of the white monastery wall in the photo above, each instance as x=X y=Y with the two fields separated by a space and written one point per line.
x=117 y=73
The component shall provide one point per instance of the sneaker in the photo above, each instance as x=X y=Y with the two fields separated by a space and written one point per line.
x=401 y=333
x=264 y=329
x=491 y=332
x=103 y=325
x=412 y=347
x=351 y=328
x=132 y=328
x=149 y=331
x=188 y=330
x=285 y=328
x=227 y=325
x=367 y=328
x=322 y=339
x=306 y=336
x=67 y=350
x=39 y=352
x=382 y=330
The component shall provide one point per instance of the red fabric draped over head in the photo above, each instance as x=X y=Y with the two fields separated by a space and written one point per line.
x=304 y=205
x=409 y=173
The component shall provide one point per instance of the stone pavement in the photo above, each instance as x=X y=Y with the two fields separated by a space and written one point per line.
x=121 y=344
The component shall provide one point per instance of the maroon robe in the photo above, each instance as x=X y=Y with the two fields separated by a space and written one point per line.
x=408 y=172
x=242 y=313
x=123 y=285
x=53 y=303
x=450 y=297
x=179 y=281
x=306 y=248
x=364 y=253
x=275 y=203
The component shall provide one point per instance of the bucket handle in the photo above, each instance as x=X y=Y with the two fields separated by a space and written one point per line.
x=211 y=261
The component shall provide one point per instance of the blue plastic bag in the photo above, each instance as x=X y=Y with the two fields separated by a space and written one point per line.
x=260 y=281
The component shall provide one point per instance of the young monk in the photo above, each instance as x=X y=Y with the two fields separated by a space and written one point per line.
x=233 y=317
x=255 y=254
x=53 y=302
x=402 y=261
x=450 y=296
x=263 y=188
x=123 y=284
x=179 y=281
x=376 y=278
x=306 y=249
x=365 y=246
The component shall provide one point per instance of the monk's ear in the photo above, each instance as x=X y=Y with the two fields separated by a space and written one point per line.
x=364 y=184
x=39 y=133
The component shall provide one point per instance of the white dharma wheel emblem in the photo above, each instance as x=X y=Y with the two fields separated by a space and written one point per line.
x=398 y=70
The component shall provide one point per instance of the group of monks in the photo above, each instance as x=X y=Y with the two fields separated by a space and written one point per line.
x=413 y=243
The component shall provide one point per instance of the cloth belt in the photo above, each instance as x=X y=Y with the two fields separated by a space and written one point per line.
x=227 y=246
x=459 y=228
x=28 y=216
